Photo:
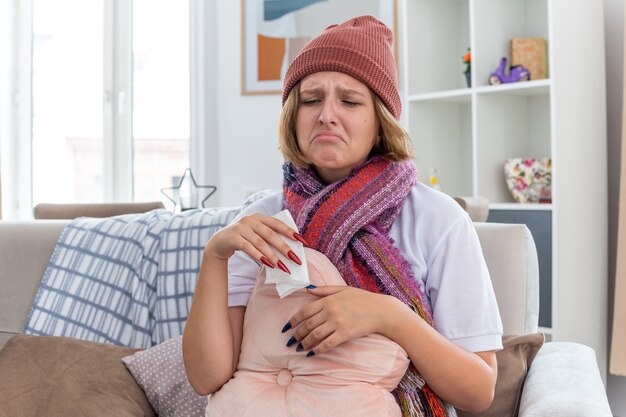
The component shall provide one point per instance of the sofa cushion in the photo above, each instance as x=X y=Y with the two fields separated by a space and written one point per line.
x=513 y=363
x=161 y=373
x=353 y=379
x=60 y=376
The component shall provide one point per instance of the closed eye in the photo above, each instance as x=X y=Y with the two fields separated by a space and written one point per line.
x=310 y=101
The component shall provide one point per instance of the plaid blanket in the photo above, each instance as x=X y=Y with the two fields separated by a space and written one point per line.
x=126 y=280
x=182 y=245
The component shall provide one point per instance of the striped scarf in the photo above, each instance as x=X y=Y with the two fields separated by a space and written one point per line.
x=349 y=221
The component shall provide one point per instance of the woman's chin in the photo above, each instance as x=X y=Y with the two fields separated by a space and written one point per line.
x=328 y=160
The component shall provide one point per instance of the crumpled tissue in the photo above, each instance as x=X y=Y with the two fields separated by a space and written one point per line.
x=299 y=278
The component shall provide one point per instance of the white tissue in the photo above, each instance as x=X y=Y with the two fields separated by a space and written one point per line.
x=299 y=278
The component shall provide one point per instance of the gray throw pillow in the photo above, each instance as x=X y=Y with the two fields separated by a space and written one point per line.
x=160 y=372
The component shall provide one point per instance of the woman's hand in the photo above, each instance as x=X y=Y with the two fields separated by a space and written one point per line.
x=342 y=313
x=255 y=235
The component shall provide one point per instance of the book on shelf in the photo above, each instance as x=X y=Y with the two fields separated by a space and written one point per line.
x=531 y=53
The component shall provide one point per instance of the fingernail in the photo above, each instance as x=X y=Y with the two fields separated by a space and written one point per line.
x=267 y=262
x=286 y=327
x=299 y=348
x=291 y=341
x=299 y=237
x=311 y=353
x=294 y=257
x=282 y=266
x=311 y=287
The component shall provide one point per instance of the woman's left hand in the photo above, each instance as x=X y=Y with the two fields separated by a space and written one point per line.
x=342 y=313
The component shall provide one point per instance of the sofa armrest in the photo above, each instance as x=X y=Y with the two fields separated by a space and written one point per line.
x=564 y=381
x=25 y=249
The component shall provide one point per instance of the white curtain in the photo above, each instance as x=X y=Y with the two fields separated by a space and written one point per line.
x=618 y=345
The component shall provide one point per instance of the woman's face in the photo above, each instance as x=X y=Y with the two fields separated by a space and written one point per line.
x=336 y=123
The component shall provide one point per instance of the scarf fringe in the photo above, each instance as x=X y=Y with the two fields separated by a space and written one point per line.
x=416 y=399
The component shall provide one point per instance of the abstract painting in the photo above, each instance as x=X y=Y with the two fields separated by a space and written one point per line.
x=274 y=31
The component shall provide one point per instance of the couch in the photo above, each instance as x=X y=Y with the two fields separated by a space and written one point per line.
x=549 y=379
x=71 y=211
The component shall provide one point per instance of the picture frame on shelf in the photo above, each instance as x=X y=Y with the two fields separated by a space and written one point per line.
x=274 y=32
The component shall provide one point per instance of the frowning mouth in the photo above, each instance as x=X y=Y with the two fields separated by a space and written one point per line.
x=327 y=137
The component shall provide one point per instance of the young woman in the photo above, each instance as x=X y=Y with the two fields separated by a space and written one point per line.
x=351 y=187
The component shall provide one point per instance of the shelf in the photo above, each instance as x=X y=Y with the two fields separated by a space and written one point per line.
x=522 y=88
x=462 y=95
x=508 y=126
x=444 y=28
x=467 y=134
x=496 y=23
x=519 y=206
x=441 y=131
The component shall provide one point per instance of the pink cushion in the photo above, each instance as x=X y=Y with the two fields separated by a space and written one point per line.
x=354 y=379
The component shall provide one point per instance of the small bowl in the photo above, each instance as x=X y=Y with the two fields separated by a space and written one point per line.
x=529 y=179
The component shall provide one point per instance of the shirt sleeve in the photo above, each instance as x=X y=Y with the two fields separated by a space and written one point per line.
x=243 y=270
x=464 y=305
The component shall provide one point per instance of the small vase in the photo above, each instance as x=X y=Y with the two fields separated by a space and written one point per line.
x=468 y=78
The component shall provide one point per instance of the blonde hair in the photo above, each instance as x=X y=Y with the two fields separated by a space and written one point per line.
x=394 y=142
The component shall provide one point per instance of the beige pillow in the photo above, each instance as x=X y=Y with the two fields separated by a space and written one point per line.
x=59 y=376
x=513 y=363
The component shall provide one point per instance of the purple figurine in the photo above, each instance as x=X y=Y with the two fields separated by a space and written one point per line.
x=516 y=73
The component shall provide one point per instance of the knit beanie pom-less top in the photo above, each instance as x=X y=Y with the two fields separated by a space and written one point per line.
x=360 y=47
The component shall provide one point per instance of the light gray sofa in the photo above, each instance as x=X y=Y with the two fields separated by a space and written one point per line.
x=563 y=379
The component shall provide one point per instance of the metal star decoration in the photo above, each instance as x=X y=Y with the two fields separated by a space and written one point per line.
x=187 y=193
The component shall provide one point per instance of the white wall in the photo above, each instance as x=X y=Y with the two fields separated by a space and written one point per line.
x=247 y=125
x=614 y=47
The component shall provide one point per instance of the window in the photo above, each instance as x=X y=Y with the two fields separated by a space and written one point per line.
x=67 y=73
x=110 y=99
x=160 y=95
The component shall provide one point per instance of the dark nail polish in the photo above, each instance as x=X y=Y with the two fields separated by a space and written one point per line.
x=267 y=262
x=286 y=327
x=311 y=287
x=311 y=353
x=294 y=257
x=282 y=266
x=299 y=348
x=291 y=341
x=299 y=238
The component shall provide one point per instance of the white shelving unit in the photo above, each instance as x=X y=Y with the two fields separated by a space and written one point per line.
x=466 y=133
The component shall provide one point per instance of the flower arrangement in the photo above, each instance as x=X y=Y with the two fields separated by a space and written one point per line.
x=467 y=60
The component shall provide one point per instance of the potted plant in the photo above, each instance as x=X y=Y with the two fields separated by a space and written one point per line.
x=467 y=60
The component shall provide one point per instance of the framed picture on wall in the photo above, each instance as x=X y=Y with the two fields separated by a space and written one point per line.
x=274 y=31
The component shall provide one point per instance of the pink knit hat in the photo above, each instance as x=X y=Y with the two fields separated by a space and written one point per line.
x=359 y=47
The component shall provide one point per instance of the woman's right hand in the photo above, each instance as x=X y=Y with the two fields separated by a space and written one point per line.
x=255 y=235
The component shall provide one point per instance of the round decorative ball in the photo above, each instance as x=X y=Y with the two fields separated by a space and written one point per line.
x=529 y=179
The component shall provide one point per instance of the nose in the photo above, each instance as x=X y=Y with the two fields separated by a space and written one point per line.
x=328 y=113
